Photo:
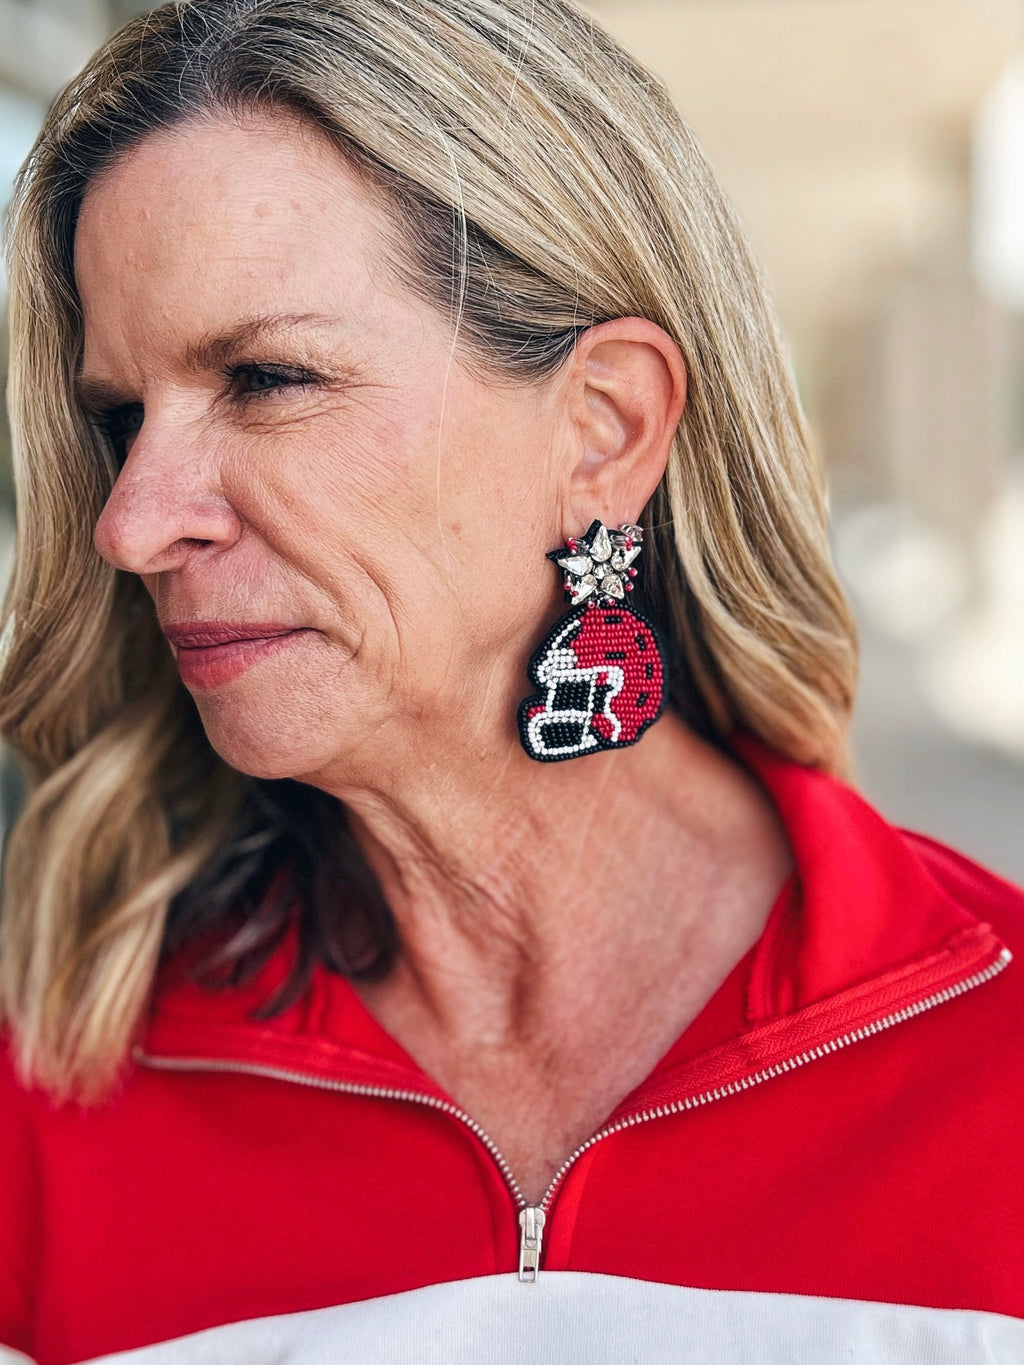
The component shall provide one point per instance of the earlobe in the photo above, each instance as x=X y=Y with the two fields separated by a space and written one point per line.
x=628 y=389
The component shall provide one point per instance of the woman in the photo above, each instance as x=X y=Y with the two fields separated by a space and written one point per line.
x=340 y=1026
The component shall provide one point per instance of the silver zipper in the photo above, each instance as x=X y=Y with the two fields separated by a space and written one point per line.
x=531 y=1221
x=378 y=1092
x=532 y=1217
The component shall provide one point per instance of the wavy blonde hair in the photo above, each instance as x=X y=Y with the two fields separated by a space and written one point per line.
x=540 y=180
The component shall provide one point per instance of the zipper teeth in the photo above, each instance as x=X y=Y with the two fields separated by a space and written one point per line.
x=660 y=1111
x=790 y=1064
x=349 y=1087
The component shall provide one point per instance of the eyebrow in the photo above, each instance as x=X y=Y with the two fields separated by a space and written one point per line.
x=210 y=351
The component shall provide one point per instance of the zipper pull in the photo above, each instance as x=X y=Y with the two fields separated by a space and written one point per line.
x=531 y=1221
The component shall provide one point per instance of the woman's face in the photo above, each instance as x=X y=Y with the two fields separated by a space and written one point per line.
x=302 y=452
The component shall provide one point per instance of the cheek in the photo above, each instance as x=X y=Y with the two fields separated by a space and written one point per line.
x=352 y=476
x=414 y=549
x=351 y=507
x=499 y=494
x=368 y=454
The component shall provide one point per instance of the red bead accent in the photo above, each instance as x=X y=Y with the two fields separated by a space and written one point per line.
x=619 y=653
x=603 y=726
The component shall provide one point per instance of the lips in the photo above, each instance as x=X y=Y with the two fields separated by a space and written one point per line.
x=206 y=634
x=211 y=654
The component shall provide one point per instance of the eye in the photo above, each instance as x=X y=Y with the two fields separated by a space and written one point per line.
x=118 y=427
x=253 y=380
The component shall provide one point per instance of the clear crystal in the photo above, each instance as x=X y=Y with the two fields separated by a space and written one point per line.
x=599 y=565
x=601 y=545
x=578 y=565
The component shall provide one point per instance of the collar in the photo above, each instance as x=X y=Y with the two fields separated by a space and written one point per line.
x=878 y=925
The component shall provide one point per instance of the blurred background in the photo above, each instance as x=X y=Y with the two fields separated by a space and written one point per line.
x=875 y=151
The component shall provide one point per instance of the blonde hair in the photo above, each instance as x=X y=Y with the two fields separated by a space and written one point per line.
x=573 y=192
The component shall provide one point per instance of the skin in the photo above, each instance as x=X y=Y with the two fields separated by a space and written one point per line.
x=561 y=924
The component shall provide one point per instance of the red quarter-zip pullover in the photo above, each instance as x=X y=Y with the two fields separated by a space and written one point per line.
x=827 y=1165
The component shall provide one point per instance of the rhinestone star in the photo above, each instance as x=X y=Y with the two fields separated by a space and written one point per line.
x=598 y=564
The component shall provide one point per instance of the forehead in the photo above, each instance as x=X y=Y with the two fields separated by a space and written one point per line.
x=226 y=215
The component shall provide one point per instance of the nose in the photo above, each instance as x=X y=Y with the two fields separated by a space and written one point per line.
x=164 y=507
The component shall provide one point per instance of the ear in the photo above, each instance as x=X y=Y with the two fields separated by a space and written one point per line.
x=625 y=392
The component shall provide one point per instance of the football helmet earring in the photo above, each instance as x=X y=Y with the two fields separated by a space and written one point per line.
x=600 y=669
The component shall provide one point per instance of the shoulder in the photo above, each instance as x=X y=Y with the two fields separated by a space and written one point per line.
x=19 y=1104
x=19 y=1202
x=981 y=1031
x=976 y=888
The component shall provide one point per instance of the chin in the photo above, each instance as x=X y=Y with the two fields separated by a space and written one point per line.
x=258 y=759
x=270 y=742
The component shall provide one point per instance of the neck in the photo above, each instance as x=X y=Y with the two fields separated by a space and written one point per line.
x=518 y=885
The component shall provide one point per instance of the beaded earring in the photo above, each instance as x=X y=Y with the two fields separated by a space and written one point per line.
x=600 y=670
